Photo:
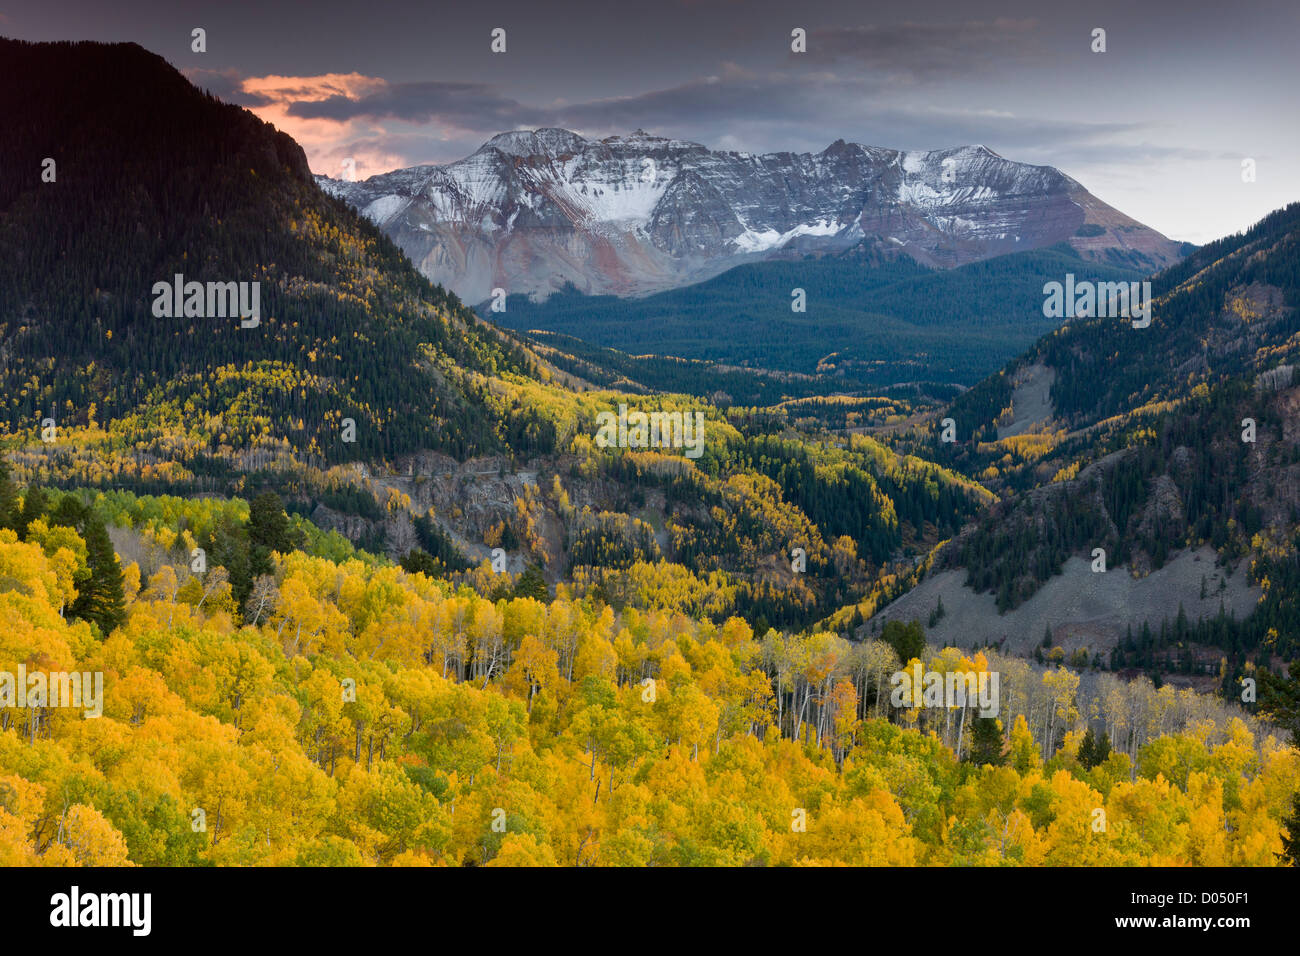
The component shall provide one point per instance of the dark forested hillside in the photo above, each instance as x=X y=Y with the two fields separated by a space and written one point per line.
x=1230 y=309
x=1152 y=442
x=151 y=178
x=869 y=322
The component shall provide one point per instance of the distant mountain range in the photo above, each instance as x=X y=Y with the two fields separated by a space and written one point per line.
x=534 y=212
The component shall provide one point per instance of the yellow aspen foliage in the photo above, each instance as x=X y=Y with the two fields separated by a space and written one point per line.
x=366 y=716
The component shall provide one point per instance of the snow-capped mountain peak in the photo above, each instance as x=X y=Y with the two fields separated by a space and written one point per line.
x=533 y=210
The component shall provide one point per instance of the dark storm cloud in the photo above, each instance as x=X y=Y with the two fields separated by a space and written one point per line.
x=797 y=111
x=733 y=94
x=480 y=106
x=729 y=95
x=468 y=105
x=226 y=84
x=929 y=52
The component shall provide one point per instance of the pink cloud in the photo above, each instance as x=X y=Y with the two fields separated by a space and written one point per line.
x=327 y=142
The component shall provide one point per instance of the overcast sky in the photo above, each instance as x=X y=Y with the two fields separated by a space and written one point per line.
x=1157 y=126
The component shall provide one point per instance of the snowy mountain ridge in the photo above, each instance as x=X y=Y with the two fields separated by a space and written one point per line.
x=534 y=210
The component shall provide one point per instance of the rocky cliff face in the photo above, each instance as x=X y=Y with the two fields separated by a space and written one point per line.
x=530 y=212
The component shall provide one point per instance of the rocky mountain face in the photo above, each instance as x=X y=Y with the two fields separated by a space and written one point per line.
x=532 y=212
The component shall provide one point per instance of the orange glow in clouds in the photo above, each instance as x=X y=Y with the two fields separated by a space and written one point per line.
x=327 y=142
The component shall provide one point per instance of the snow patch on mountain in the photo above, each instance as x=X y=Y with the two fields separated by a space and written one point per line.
x=384 y=208
x=752 y=240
